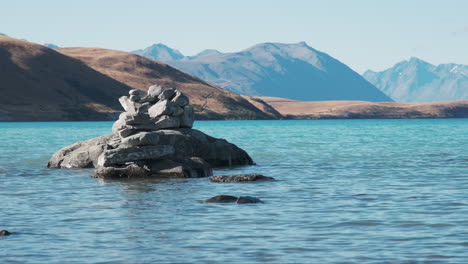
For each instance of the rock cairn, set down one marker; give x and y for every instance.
(158, 109)
(143, 153)
(152, 138)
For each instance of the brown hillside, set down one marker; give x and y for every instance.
(361, 109)
(38, 83)
(41, 84)
(211, 102)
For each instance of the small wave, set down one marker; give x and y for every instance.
(439, 257)
(359, 223)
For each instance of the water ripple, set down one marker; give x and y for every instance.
(347, 191)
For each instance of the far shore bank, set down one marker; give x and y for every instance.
(293, 109)
(296, 110)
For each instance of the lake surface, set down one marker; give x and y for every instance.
(347, 191)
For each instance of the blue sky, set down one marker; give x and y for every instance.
(363, 34)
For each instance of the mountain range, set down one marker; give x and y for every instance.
(415, 80)
(294, 71)
(44, 84)
(52, 46)
(160, 52)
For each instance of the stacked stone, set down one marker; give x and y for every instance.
(145, 146)
(160, 108)
(152, 138)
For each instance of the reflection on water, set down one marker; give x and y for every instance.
(347, 191)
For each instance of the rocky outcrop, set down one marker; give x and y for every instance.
(83, 154)
(295, 71)
(233, 199)
(4, 233)
(241, 178)
(152, 138)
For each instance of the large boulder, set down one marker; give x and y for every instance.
(162, 168)
(83, 154)
(184, 141)
(137, 153)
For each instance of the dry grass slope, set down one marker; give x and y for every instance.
(42, 84)
(361, 109)
(210, 101)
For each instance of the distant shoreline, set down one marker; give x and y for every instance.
(293, 109)
(317, 110)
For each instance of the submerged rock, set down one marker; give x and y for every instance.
(4, 233)
(125, 172)
(192, 167)
(222, 199)
(241, 178)
(248, 199)
(233, 199)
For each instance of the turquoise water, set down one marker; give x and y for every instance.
(348, 191)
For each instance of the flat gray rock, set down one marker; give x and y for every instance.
(166, 122)
(248, 199)
(131, 171)
(189, 168)
(241, 178)
(155, 90)
(222, 199)
(128, 105)
(163, 107)
(118, 125)
(136, 153)
(233, 199)
(141, 139)
(186, 142)
(134, 118)
(127, 131)
(83, 154)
